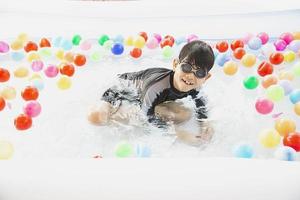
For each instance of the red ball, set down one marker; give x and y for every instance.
(4, 75)
(292, 140)
(236, 44)
(169, 37)
(136, 52)
(238, 53)
(79, 60)
(2, 103)
(23, 122)
(144, 35)
(30, 46)
(222, 46)
(30, 93)
(276, 58)
(67, 69)
(45, 43)
(264, 69)
(166, 42)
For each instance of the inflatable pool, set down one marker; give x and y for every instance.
(57, 59)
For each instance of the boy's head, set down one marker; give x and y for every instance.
(193, 65)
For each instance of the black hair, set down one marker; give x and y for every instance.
(198, 53)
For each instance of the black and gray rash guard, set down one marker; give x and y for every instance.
(152, 87)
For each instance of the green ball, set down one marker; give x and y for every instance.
(167, 52)
(251, 82)
(103, 39)
(45, 52)
(296, 69)
(96, 56)
(123, 150)
(108, 44)
(275, 93)
(76, 39)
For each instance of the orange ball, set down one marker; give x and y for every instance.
(297, 108)
(67, 69)
(236, 44)
(23, 122)
(30, 93)
(144, 35)
(222, 46)
(136, 52)
(239, 52)
(269, 80)
(285, 126)
(4, 75)
(30, 46)
(276, 58)
(45, 43)
(230, 68)
(2, 103)
(79, 60)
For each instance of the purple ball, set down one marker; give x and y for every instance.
(51, 71)
(192, 37)
(287, 86)
(294, 46)
(264, 37)
(287, 37)
(158, 37)
(280, 45)
(37, 65)
(4, 47)
(32, 108)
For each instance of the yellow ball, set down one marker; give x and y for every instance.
(8, 93)
(286, 75)
(60, 54)
(23, 37)
(69, 57)
(248, 60)
(6, 150)
(16, 45)
(139, 42)
(296, 35)
(35, 76)
(21, 72)
(297, 108)
(45, 52)
(33, 56)
(230, 68)
(129, 41)
(285, 126)
(269, 138)
(289, 56)
(64, 83)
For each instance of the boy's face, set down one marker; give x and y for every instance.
(185, 82)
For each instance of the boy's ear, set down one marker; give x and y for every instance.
(208, 76)
(175, 63)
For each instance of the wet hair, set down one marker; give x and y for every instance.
(198, 53)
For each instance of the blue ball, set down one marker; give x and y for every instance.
(180, 40)
(57, 42)
(118, 39)
(66, 45)
(117, 49)
(295, 96)
(243, 150)
(255, 43)
(285, 153)
(222, 58)
(143, 151)
(17, 56)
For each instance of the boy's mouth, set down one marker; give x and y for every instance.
(187, 82)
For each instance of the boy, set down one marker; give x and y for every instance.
(156, 89)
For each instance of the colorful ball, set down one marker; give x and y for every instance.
(129, 41)
(32, 109)
(86, 45)
(139, 42)
(152, 43)
(222, 58)
(265, 68)
(269, 80)
(66, 44)
(103, 39)
(269, 138)
(236, 44)
(238, 53)
(243, 150)
(44, 42)
(255, 43)
(286, 75)
(222, 46)
(143, 151)
(296, 69)
(30, 46)
(264, 106)
(16, 45)
(37, 83)
(264, 37)
(30, 93)
(297, 108)
(144, 35)
(289, 56)
(6, 150)
(294, 46)
(167, 52)
(51, 71)
(230, 68)
(136, 52)
(275, 93)
(123, 149)
(251, 82)
(37, 65)
(79, 60)
(21, 72)
(23, 122)
(64, 83)
(67, 69)
(117, 49)
(2, 103)
(285, 153)
(295, 96)
(287, 86)
(69, 57)
(4, 47)
(33, 56)
(8, 93)
(280, 45)
(76, 40)
(158, 37)
(192, 37)
(285, 126)
(4, 75)
(292, 140)
(248, 60)
(17, 56)
(287, 37)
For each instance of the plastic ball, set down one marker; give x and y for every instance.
(32, 109)
(264, 69)
(129, 41)
(76, 40)
(86, 45)
(139, 42)
(222, 46)
(269, 138)
(44, 43)
(45, 52)
(292, 140)
(280, 45)
(103, 39)
(296, 35)
(295, 96)
(136, 52)
(269, 80)
(69, 57)
(296, 69)
(57, 42)
(144, 35)
(268, 49)
(23, 37)
(289, 56)
(60, 54)
(255, 43)
(30, 46)
(276, 58)
(33, 56)
(64, 83)
(143, 151)
(4, 75)
(37, 83)
(264, 106)
(238, 53)
(66, 44)
(297, 108)
(6, 150)
(4, 47)
(287, 37)
(117, 49)
(230, 68)
(192, 37)
(118, 39)
(21, 72)
(247, 37)
(17, 56)
(222, 58)
(166, 42)
(79, 60)
(51, 71)
(251, 82)
(108, 44)
(264, 37)
(8, 93)
(294, 46)
(37, 65)
(236, 44)
(179, 40)
(35, 76)
(123, 149)
(287, 86)
(96, 56)
(158, 37)
(67, 69)
(167, 52)
(2, 103)
(23, 122)
(248, 60)
(286, 75)
(275, 93)
(243, 150)
(285, 126)
(171, 38)
(285, 153)
(16, 45)
(152, 43)
(30, 93)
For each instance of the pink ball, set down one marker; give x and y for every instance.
(264, 106)
(158, 37)
(264, 37)
(287, 37)
(152, 43)
(86, 45)
(192, 37)
(280, 45)
(4, 47)
(51, 71)
(32, 109)
(247, 37)
(37, 65)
